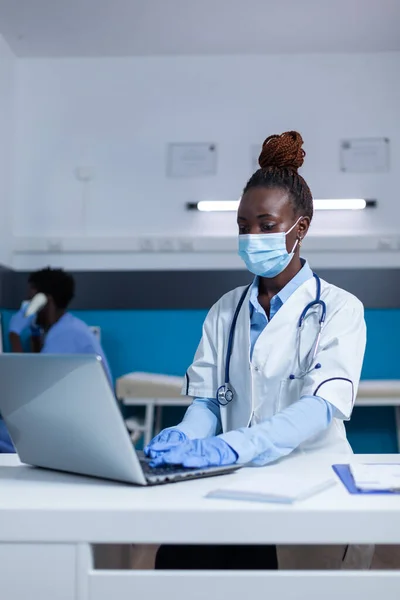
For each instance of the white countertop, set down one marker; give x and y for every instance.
(39, 505)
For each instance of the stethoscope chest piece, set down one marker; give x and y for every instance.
(224, 395)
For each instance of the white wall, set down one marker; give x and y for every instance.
(7, 100)
(117, 115)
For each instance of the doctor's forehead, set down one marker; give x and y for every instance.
(272, 202)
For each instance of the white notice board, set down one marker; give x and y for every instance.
(365, 155)
(191, 160)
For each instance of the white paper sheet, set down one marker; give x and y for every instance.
(273, 488)
(376, 476)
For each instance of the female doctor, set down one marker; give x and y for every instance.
(294, 358)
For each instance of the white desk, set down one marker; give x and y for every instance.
(48, 521)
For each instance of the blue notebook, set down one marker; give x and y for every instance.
(345, 476)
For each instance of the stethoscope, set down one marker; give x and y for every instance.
(225, 393)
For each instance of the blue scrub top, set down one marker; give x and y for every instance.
(6, 445)
(71, 335)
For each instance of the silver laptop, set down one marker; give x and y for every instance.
(62, 414)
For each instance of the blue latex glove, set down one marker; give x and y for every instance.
(164, 441)
(19, 322)
(210, 452)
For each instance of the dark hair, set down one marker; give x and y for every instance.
(281, 157)
(55, 283)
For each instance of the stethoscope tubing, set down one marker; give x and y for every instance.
(225, 389)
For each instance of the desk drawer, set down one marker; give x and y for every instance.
(37, 571)
(219, 585)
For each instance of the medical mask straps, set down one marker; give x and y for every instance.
(265, 254)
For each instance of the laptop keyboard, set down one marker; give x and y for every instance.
(164, 470)
(172, 473)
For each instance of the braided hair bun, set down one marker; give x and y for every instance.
(281, 157)
(282, 151)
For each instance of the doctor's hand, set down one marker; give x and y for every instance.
(164, 441)
(209, 452)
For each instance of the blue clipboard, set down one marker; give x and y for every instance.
(345, 476)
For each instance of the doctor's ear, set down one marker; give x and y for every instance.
(302, 228)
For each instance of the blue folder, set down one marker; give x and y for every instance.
(345, 476)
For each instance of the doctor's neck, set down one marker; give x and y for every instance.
(272, 286)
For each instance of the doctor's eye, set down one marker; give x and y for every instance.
(243, 230)
(267, 226)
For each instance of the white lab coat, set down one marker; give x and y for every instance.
(263, 387)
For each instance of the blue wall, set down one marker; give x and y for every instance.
(164, 341)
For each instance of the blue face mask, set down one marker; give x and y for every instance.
(265, 254)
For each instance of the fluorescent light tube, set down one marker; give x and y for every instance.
(326, 204)
(217, 205)
(340, 204)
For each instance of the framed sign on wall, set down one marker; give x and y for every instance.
(191, 160)
(364, 155)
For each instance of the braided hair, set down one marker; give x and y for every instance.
(281, 157)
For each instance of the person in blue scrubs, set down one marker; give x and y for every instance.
(53, 330)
